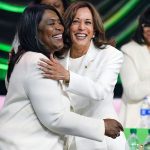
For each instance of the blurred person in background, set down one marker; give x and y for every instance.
(90, 74)
(135, 72)
(60, 5)
(36, 114)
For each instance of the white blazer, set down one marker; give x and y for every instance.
(36, 114)
(91, 92)
(135, 75)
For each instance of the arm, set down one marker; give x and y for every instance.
(98, 88)
(104, 83)
(48, 102)
(134, 88)
(95, 89)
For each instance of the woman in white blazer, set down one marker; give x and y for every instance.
(92, 68)
(36, 114)
(135, 73)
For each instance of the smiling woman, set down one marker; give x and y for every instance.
(50, 38)
(89, 73)
(37, 109)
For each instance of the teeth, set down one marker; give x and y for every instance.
(81, 35)
(58, 36)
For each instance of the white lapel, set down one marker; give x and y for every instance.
(89, 58)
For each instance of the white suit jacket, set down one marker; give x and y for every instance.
(135, 75)
(36, 114)
(91, 91)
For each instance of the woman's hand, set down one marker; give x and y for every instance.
(112, 128)
(52, 69)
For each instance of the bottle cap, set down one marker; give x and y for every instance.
(133, 130)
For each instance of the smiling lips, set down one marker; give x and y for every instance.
(80, 36)
(58, 37)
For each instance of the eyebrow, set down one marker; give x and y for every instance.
(52, 19)
(84, 19)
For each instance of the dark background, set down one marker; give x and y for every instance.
(119, 17)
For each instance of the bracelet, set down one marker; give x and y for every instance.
(66, 82)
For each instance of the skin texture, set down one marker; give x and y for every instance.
(81, 33)
(146, 34)
(58, 4)
(51, 30)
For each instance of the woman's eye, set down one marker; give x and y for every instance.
(50, 23)
(88, 22)
(75, 21)
(56, 5)
(59, 22)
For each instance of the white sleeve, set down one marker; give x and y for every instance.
(47, 101)
(134, 88)
(97, 89)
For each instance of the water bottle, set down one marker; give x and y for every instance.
(133, 140)
(147, 141)
(145, 113)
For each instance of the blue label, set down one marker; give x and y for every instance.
(144, 112)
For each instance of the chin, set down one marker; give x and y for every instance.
(59, 47)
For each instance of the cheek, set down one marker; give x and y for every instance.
(147, 36)
(91, 31)
(48, 30)
(72, 32)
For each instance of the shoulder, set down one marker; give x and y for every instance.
(130, 48)
(111, 51)
(32, 57)
(29, 60)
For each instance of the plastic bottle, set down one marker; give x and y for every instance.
(147, 141)
(133, 140)
(145, 113)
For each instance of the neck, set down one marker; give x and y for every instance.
(75, 53)
(148, 45)
(78, 51)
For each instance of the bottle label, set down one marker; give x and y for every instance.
(145, 112)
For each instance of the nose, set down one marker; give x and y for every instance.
(59, 26)
(81, 25)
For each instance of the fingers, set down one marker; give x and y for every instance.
(46, 65)
(112, 128)
(116, 135)
(46, 71)
(53, 59)
(51, 76)
(46, 61)
(46, 68)
(52, 69)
